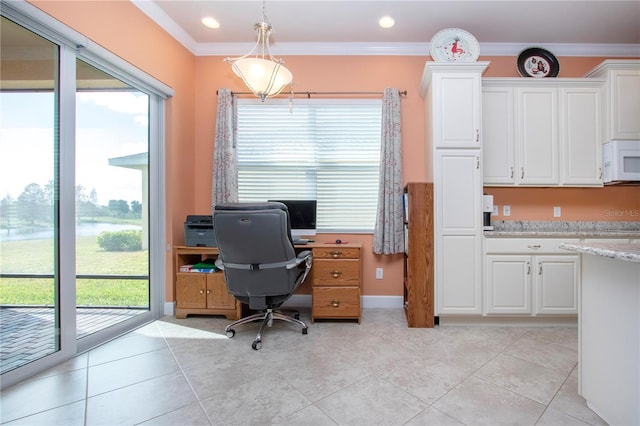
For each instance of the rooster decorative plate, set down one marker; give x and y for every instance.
(454, 45)
(538, 62)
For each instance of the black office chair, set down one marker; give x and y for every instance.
(260, 265)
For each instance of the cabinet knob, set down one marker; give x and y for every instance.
(208, 291)
(335, 253)
(335, 303)
(336, 274)
(201, 291)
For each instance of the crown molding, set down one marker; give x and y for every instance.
(415, 49)
(160, 17)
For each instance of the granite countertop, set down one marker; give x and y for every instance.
(564, 229)
(627, 252)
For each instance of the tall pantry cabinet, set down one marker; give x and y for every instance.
(453, 97)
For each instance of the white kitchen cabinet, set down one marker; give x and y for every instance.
(498, 141)
(452, 94)
(529, 277)
(537, 135)
(508, 284)
(622, 97)
(580, 135)
(542, 133)
(458, 224)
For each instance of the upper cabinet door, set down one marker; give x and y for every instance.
(456, 110)
(537, 108)
(581, 135)
(498, 136)
(624, 105)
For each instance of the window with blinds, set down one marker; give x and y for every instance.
(323, 149)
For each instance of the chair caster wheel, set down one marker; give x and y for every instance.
(297, 316)
(256, 345)
(230, 333)
(305, 330)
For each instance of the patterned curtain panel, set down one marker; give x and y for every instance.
(388, 235)
(225, 157)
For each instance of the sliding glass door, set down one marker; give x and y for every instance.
(81, 222)
(112, 202)
(30, 323)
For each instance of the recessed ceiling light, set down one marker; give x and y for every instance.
(386, 22)
(210, 22)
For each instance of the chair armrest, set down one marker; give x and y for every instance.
(219, 263)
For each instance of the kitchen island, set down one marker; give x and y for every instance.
(609, 330)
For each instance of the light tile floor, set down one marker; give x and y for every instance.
(379, 372)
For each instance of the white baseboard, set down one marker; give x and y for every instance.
(169, 308)
(505, 321)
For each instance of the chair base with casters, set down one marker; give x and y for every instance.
(267, 318)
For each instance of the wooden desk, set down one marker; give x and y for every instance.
(336, 283)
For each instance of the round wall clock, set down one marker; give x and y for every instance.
(538, 62)
(454, 45)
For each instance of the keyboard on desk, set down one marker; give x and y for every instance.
(299, 241)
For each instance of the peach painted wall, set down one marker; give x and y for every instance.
(190, 120)
(123, 29)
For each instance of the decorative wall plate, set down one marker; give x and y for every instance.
(454, 45)
(538, 62)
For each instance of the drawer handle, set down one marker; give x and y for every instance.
(521, 172)
(528, 268)
(336, 274)
(335, 253)
(335, 303)
(540, 269)
(536, 246)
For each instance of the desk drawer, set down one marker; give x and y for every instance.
(336, 302)
(336, 253)
(336, 272)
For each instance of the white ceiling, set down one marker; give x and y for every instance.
(574, 27)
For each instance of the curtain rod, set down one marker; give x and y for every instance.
(308, 94)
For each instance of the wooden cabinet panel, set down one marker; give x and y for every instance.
(190, 291)
(218, 297)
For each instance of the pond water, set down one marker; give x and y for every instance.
(83, 229)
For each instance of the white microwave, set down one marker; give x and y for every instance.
(621, 161)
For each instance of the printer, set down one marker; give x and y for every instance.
(198, 231)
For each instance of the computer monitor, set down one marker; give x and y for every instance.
(302, 215)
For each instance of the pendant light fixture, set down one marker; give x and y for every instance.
(263, 74)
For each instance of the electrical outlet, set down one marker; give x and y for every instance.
(557, 212)
(379, 273)
(506, 210)
(495, 210)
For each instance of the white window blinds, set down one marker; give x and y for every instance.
(323, 149)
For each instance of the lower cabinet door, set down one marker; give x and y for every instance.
(557, 284)
(190, 291)
(336, 302)
(218, 297)
(508, 284)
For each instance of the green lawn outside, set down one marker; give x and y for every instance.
(36, 257)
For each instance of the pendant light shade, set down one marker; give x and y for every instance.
(263, 74)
